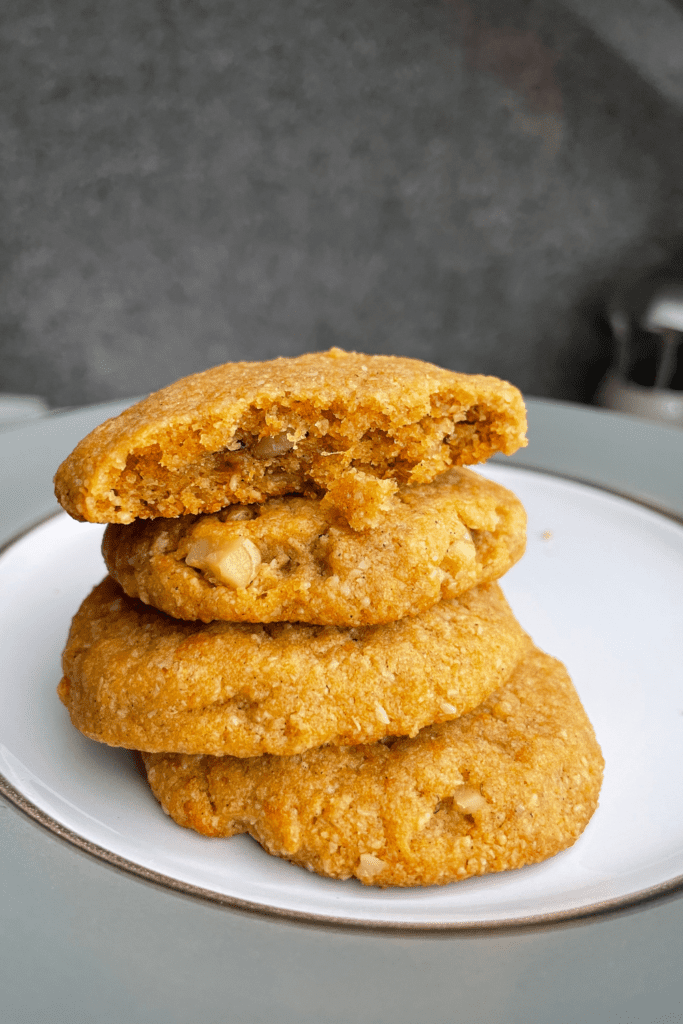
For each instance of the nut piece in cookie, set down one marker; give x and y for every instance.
(352, 425)
(230, 561)
(511, 783)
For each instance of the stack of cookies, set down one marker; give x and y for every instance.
(302, 630)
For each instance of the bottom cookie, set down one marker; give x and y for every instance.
(511, 783)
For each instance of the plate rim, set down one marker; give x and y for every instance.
(601, 908)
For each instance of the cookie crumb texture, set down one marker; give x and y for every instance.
(306, 564)
(134, 677)
(511, 783)
(352, 425)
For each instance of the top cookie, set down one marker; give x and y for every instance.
(354, 426)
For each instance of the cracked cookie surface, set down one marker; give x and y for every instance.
(134, 677)
(306, 564)
(511, 783)
(351, 425)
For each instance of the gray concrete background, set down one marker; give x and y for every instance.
(185, 183)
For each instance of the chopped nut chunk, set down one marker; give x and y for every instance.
(272, 447)
(233, 561)
(370, 866)
(381, 714)
(468, 799)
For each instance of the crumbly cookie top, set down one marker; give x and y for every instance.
(294, 559)
(134, 677)
(340, 422)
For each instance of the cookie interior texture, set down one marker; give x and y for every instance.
(434, 542)
(351, 425)
(511, 783)
(134, 677)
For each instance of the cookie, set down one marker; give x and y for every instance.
(349, 425)
(134, 677)
(511, 783)
(294, 559)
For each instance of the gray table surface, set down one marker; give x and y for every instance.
(83, 942)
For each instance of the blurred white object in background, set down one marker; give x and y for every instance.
(647, 327)
(645, 379)
(647, 34)
(664, 316)
(663, 406)
(17, 408)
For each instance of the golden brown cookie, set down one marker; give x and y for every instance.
(294, 559)
(133, 677)
(511, 783)
(348, 424)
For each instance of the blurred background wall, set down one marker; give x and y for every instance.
(186, 182)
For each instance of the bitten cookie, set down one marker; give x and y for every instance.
(511, 783)
(351, 425)
(294, 559)
(133, 677)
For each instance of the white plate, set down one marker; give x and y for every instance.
(601, 587)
